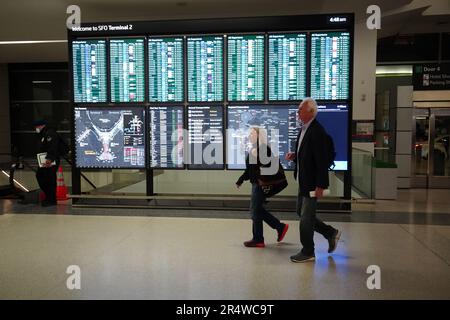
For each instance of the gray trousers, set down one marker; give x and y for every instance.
(306, 209)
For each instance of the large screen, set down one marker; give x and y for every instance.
(282, 127)
(205, 68)
(279, 122)
(110, 137)
(166, 136)
(334, 118)
(205, 137)
(245, 67)
(330, 65)
(287, 67)
(127, 69)
(166, 69)
(89, 71)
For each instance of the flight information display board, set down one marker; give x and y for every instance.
(89, 71)
(287, 66)
(205, 137)
(127, 67)
(110, 137)
(245, 67)
(205, 68)
(330, 65)
(280, 124)
(166, 69)
(166, 137)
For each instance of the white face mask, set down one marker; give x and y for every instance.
(38, 130)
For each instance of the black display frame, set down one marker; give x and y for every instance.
(217, 26)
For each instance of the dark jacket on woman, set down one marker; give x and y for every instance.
(253, 170)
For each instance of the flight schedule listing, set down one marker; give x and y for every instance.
(205, 68)
(205, 137)
(166, 74)
(287, 67)
(166, 137)
(89, 70)
(245, 68)
(127, 70)
(330, 65)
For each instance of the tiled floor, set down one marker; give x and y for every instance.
(203, 258)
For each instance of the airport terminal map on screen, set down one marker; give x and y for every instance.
(89, 71)
(205, 137)
(282, 128)
(330, 65)
(127, 66)
(110, 137)
(205, 68)
(166, 136)
(287, 66)
(246, 67)
(166, 71)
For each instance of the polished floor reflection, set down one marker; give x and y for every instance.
(203, 258)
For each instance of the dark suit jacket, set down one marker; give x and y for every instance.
(312, 167)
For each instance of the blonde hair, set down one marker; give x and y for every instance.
(261, 134)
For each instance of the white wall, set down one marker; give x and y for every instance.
(364, 76)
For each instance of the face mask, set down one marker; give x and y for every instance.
(38, 130)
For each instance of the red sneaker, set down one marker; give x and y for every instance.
(254, 244)
(282, 233)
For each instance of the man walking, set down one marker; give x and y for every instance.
(311, 172)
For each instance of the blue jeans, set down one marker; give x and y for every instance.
(260, 214)
(306, 209)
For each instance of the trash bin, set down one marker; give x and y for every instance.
(384, 180)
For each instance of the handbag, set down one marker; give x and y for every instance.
(272, 185)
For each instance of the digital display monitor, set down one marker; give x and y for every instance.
(89, 71)
(330, 65)
(166, 137)
(205, 68)
(110, 137)
(166, 69)
(333, 117)
(280, 124)
(287, 66)
(205, 137)
(127, 67)
(245, 67)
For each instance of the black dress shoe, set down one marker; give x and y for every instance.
(333, 241)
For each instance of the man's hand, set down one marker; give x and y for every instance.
(238, 185)
(290, 156)
(319, 192)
